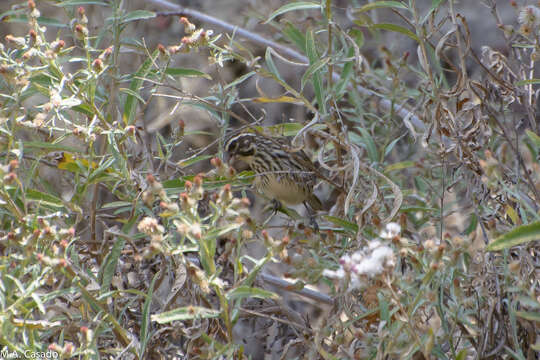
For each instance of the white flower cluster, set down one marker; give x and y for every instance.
(368, 262)
(529, 15)
(529, 19)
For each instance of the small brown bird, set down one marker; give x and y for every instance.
(281, 175)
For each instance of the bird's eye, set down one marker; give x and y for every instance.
(232, 147)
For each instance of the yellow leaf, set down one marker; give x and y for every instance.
(281, 99)
(513, 215)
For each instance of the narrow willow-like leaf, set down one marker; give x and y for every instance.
(295, 35)
(313, 56)
(109, 268)
(346, 225)
(81, 2)
(300, 5)
(517, 236)
(381, 4)
(243, 292)
(145, 322)
(185, 313)
(183, 72)
(138, 15)
(130, 107)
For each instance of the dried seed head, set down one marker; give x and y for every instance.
(198, 179)
(56, 46)
(33, 35)
(226, 193)
(106, 53)
(13, 165)
(97, 64)
(181, 127)
(189, 28)
(150, 226)
(16, 41)
(162, 50)
(10, 178)
(216, 162)
(81, 32)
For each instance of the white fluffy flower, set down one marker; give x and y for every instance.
(369, 262)
(392, 230)
(529, 15)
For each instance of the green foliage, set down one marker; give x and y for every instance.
(117, 239)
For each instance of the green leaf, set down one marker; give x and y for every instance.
(84, 109)
(412, 209)
(462, 355)
(295, 35)
(527, 82)
(240, 80)
(130, 107)
(8, 15)
(534, 138)
(109, 268)
(300, 5)
(81, 2)
(116, 204)
(218, 232)
(50, 146)
(243, 292)
(256, 269)
(346, 74)
(384, 308)
(390, 146)
(313, 56)
(38, 302)
(472, 225)
(43, 21)
(186, 73)
(369, 144)
(185, 313)
(285, 129)
(381, 4)
(347, 225)
(196, 159)
(392, 27)
(313, 69)
(46, 199)
(271, 66)
(96, 174)
(399, 166)
(145, 322)
(138, 15)
(436, 3)
(528, 315)
(207, 250)
(517, 236)
(132, 93)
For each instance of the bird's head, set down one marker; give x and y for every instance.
(242, 147)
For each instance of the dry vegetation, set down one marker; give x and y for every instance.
(125, 235)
